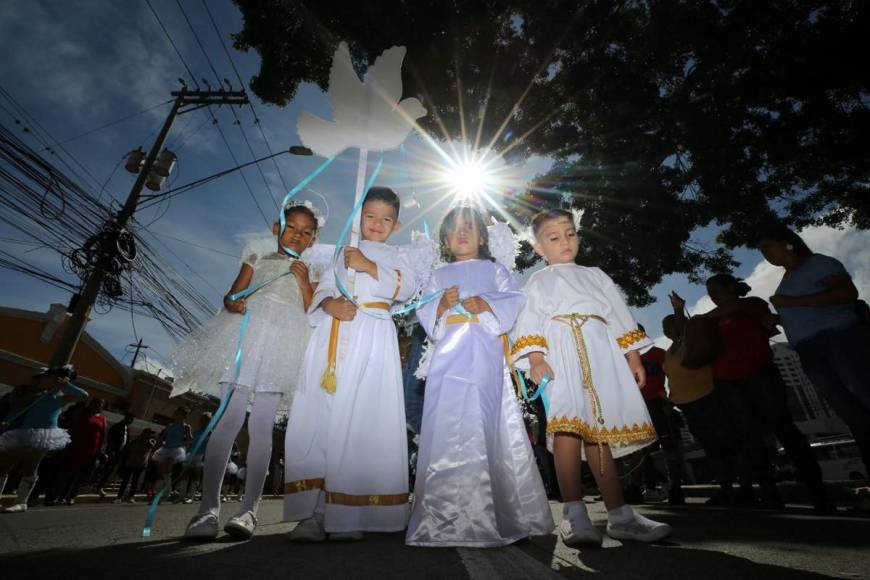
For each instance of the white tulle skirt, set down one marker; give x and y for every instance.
(48, 439)
(173, 454)
(272, 351)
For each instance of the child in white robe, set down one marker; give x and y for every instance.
(346, 458)
(477, 481)
(576, 330)
(272, 349)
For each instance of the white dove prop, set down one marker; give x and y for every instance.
(367, 114)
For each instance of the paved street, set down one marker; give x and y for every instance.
(102, 541)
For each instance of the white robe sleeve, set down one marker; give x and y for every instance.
(395, 279)
(528, 335)
(506, 303)
(325, 289)
(628, 336)
(427, 314)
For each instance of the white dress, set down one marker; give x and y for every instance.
(477, 480)
(593, 394)
(273, 345)
(346, 452)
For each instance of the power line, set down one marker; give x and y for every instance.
(112, 123)
(242, 84)
(172, 42)
(237, 120)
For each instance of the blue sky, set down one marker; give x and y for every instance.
(78, 69)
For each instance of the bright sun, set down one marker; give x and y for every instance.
(469, 179)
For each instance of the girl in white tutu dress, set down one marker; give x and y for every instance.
(274, 342)
(576, 329)
(477, 481)
(29, 431)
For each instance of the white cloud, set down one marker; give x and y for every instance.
(850, 246)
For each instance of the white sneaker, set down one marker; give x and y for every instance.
(117, 500)
(640, 529)
(14, 508)
(241, 526)
(131, 499)
(202, 527)
(355, 536)
(310, 530)
(576, 529)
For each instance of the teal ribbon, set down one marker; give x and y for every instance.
(282, 220)
(540, 392)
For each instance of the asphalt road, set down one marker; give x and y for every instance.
(104, 541)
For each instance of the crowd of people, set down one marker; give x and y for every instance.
(599, 393)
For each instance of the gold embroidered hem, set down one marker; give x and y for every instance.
(303, 485)
(594, 434)
(337, 498)
(527, 341)
(631, 337)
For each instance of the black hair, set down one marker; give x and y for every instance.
(546, 215)
(449, 223)
(386, 195)
(184, 410)
(740, 287)
(288, 211)
(779, 232)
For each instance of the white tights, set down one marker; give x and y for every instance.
(217, 454)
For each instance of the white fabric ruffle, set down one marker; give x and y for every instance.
(48, 439)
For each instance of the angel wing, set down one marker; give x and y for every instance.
(346, 90)
(502, 244)
(385, 75)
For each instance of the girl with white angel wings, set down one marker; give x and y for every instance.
(477, 481)
(272, 349)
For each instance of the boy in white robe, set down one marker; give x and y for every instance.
(346, 449)
(576, 330)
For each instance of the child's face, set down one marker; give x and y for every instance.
(379, 221)
(464, 240)
(299, 232)
(557, 241)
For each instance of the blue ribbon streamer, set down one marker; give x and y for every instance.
(540, 392)
(296, 189)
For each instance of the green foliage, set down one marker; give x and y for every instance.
(665, 116)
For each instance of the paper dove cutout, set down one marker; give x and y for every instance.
(366, 114)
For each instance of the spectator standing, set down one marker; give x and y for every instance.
(820, 312)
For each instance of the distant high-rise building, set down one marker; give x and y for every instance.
(811, 413)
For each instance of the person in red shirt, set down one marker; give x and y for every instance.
(753, 392)
(88, 432)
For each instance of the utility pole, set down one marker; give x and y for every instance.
(138, 346)
(185, 102)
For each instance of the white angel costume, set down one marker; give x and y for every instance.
(346, 447)
(477, 481)
(577, 318)
(274, 341)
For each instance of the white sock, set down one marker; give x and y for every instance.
(621, 515)
(24, 488)
(576, 513)
(217, 454)
(261, 423)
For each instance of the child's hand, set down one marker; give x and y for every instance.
(355, 259)
(238, 306)
(539, 368)
(300, 272)
(476, 305)
(677, 302)
(636, 366)
(339, 308)
(449, 299)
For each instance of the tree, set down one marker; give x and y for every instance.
(663, 115)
